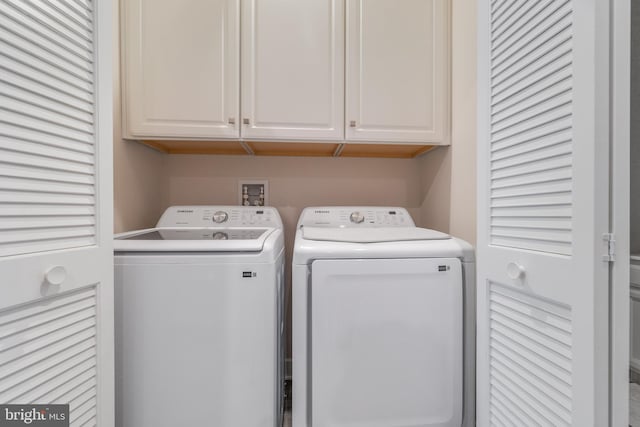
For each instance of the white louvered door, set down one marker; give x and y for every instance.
(543, 209)
(56, 260)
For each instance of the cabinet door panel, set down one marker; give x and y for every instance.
(181, 68)
(397, 70)
(293, 69)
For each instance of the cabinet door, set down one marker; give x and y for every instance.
(397, 70)
(181, 67)
(293, 69)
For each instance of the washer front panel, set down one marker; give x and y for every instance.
(198, 344)
(386, 342)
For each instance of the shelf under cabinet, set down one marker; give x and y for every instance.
(304, 149)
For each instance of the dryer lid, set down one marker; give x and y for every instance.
(371, 235)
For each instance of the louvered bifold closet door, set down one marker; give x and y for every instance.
(543, 209)
(49, 355)
(47, 155)
(531, 123)
(56, 268)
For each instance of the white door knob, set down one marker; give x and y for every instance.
(515, 271)
(56, 275)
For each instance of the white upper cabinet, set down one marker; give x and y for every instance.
(287, 70)
(293, 69)
(397, 72)
(181, 68)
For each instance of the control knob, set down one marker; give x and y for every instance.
(356, 217)
(220, 216)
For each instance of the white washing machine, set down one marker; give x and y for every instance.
(199, 303)
(383, 322)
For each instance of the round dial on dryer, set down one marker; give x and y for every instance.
(220, 216)
(356, 217)
(220, 236)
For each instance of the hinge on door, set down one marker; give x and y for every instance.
(610, 250)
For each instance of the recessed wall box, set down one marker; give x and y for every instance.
(253, 192)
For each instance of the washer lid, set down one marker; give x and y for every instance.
(193, 240)
(371, 235)
(197, 234)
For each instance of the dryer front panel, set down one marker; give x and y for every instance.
(386, 342)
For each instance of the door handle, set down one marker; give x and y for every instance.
(515, 271)
(56, 275)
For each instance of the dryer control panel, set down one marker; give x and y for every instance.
(220, 216)
(355, 216)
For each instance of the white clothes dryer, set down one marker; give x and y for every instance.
(199, 324)
(383, 322)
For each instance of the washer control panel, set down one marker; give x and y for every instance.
(355, 216)
(220, 216)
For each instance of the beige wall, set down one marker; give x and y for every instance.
(435, 189)
(463, 126)
(295, 182)
(448, 175)
(138, 175)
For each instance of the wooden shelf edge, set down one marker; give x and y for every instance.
(289, 149)
(392, 151)
(198, 147)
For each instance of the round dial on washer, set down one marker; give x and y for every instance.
(220, 236)
(356, 217)
(220, 216)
